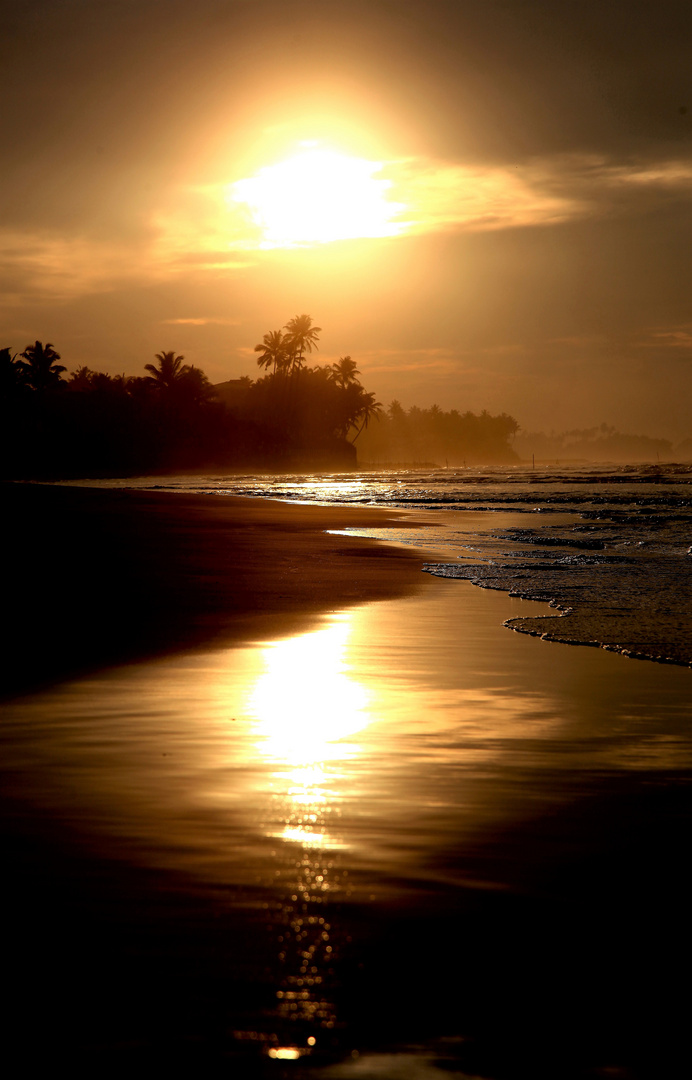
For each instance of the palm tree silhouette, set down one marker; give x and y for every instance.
(81, 379)
(11, 374)
(368, 408)
(169, 372)
(194, 385)
(273, 351)
(40, 370)
(301, 338)
(344, 372)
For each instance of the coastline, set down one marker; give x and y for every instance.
(96, 578)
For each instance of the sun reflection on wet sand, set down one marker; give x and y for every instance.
(306, 709)
(305, 703)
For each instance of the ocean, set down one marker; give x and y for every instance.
(608, 546)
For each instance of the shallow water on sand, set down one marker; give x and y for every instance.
(609, 544)
(407, 841)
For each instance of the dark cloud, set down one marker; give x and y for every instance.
(524, 76)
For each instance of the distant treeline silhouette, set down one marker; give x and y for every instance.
(602, 443)
(292, 418)
(436, 437)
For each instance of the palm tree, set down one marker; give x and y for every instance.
(194, 385)
(396, 411)
(344, 372)
(273, 351)
(40, 370)
(368, 408)
(301, 338)
(11, 374)
(81, 380)
(169, 372)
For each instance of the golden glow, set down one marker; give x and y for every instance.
(305, 703)
(316, 197)
(306, 708)
(285, 1053)
(320, 195)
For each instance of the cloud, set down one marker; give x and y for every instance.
(197, 231)
(59, 265)
(440, 360)
(675, 339)
(201, 322)
(210, 227)
(545, 191)
(52, 266)
(424, 196)
(439, 196)
(580, 341)
(678, 337)
(600, 186)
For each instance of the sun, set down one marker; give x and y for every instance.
(316, 197)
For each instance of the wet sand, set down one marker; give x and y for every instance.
(478, 839)
(94, 578)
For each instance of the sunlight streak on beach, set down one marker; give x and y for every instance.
(305, 703)
(306, 709)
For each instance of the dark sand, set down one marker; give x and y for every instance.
(94, 578)
(515, 819)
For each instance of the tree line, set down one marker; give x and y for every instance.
(91, 423)
(295, 416)
(435, 437)
(95, 424)
(603, 443)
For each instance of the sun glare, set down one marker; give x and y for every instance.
(305, 703)
(316, 197)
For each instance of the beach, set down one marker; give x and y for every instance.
(264, 785)
(97, 577)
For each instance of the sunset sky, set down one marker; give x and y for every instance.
(487, 203)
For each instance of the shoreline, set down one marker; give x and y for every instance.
(96, 578)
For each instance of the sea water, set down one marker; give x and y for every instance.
(608, 546)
